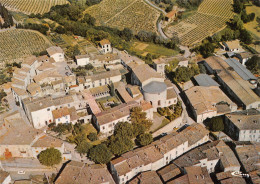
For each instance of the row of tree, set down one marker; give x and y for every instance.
(6, 16)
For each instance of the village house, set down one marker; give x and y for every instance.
(99, 79)
(208, 102)
(170, 16)
(153, 87)
(209, 156)
(232, 46)
(105, 46)
(106, 121)
(17, 139)
(39, 111)
(81, 173)
(161, 63)
(56, 53)
(228, 178)
(82, 60)
(61, 115)
(243, 125)
(248, 155)
(240, 89)
(109, 60)
(157, 154)
(146, 177)
(194, 175)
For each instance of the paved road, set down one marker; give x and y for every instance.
(160, 31)
(187, 52)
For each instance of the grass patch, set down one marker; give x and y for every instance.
(251, 26)
(144, 48)
(164, 123)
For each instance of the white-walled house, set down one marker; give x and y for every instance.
(157, 154)
(39, 111)
(61, 115)
(99, 79)
(243, 125)
(105, 46)
(56, 53)
(106, 121)
(19, 140)
(208, 102)
(82, 60)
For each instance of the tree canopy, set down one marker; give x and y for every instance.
(144, 139)
(100, 154)
(50, 157)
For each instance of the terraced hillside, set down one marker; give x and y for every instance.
(31, 6)
(17, 43)
(133, 14)
(210, 18)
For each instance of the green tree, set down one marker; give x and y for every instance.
(119, 145)
(123, 129)
(83, 147)
(253, 64)
(50, 157)
(216, 124)
(139, 117)
(206, 49)
(144, 139)
(100, 154)
(92, 136)
(245, 36)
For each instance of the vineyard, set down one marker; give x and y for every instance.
(133, 14)
(210, 18)
(31, 6)
(17, 43)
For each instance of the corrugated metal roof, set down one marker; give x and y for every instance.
(242, 71)
(205, 80)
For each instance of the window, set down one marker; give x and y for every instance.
(104, 128)
(68, 105)
(48, 109)
(59, 119)
(159, 102)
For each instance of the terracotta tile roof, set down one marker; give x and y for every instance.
(146, 105)
(33, 88)
(59, 113)
(80, 173)
(204, 99)
(30, 60)
(48, 141)
(91, 101)
(171, 94)
(145, 72)
(104, 41)
(115, 113)
(14, 131)
(54, 50)
(46, 66)
(171, 14)
(148, 177)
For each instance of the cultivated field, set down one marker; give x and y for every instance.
(31, 6)
(133, 14)
(210, 18)
(17, 43)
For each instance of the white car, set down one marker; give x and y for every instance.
(21, 172)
